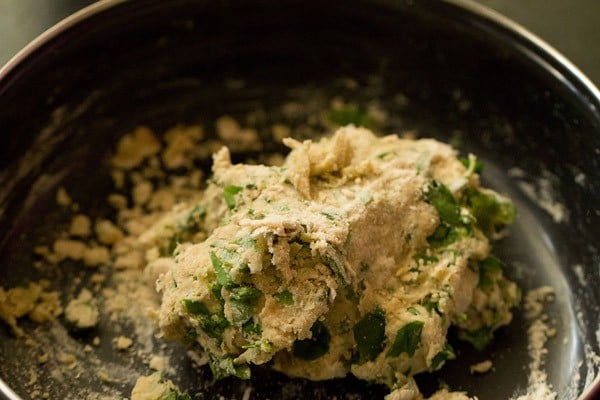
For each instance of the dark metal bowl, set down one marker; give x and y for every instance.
(67, 97)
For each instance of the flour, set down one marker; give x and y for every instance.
(543, 192)
(538, 333)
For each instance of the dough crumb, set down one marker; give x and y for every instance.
(81, 226)
(123, 343)
(82, 312)
(63, 198)
(481, 368)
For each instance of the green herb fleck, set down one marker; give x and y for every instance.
(194, 219)
(413, 311)
(408, 339)
(229, 193)
(212, 324)
(489, 267)
(222, 276)
(222, 368)
(195, 307)
(477, 168)
(316, 346)
(447, 353)
(251, 328)
(431, 305)
(453, 225)
(440, 197)
(369, 335)
(328, 215)
(479, 338)
(243, 301)
(491, 212)
(176, 396)
(285, 297)
(386, 156)
(349, 115)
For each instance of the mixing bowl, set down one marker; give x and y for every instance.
(451, 70)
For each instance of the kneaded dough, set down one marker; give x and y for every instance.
(354, 256)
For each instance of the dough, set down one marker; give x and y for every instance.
(354, 256)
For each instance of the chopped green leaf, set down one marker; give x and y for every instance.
(229, 193)
(316, 346)
(441, 198)
(171, 246)
(222, 276)
(334, 261)
(195, 307)
(212, 324)
(222, 368)
(244, 301)
(477, 168)
(349, 115)
(246, 242)
(386, 155)
(431, 305)
(413, 311)
(176, 396)
(251, 328)
(216, 291)
(328, 215)
(193, 220)
(408, 339)
(453, 225)
(285, 297)
(488, 268)
(369, 335)
(447, 353)
(479, 338)
(491, 213)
